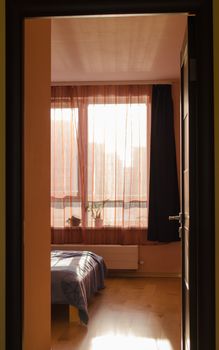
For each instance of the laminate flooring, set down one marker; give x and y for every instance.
(129, 314)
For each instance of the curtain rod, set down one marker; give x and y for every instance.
(128, 82)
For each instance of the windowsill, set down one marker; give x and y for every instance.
(99, 228)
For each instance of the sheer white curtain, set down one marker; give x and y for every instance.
(100, 140)
(64, 165)
(117, 162)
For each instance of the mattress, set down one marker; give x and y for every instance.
(75, 277)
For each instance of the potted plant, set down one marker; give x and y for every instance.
(96, 209)
(73, 221)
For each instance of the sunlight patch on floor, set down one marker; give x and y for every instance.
(129, 342)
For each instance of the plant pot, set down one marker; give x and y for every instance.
(98, 222)
(74, 221)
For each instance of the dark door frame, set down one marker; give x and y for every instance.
(202, 138)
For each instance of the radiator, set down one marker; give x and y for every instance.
(116, 257)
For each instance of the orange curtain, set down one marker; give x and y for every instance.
(100, 146)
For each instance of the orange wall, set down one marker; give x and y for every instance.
(37, 186)
(160, 259)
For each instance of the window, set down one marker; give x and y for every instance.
(99, 158)
(117, 162)
(65, 189)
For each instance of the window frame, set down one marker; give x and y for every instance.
(83, 113)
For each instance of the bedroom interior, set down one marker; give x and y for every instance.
(101, 40)
(124, 255)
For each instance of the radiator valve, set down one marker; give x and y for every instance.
(141, 262)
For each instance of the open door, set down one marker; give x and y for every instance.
(188, 195)
(188, 190)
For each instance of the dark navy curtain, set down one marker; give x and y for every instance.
(163, 193)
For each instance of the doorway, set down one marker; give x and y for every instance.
(205, 180)
(78, 40)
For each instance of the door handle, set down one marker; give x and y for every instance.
(175, 217)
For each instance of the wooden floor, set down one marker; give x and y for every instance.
(129, 314)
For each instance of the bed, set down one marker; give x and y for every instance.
(75, 277)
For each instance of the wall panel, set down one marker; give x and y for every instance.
(36, 335)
